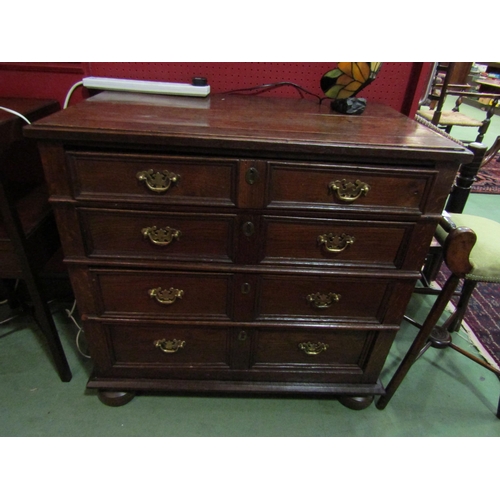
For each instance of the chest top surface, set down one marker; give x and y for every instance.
(243, 124)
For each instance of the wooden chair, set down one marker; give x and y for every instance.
(454, 245)
(459, 194)
(471, 248)
(440, 88)
(28, 233)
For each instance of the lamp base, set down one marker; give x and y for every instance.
(349, 106)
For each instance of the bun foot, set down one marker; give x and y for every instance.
(112, 398)
(356, 402)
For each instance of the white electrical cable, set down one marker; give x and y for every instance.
(16, 113)
(80, 329)
(71, 312)
(8, 319)
(70, 93)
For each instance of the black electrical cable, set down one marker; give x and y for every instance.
(259, 89)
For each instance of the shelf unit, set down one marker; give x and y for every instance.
(491, 85)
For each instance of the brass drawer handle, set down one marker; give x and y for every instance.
(158, 182)
(323, 300)
(312, 349)
(166, 297)
(348, 191)
(170, 346)
(159, 236)
(336, 243)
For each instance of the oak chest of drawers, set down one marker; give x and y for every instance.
(242, 244)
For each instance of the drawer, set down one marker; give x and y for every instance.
(296, 350)
(289, 240)
(155, 351)
(164, 294)
(168, 346)
(348, 187)
(323, 298)
(153, 178)
(155, 235)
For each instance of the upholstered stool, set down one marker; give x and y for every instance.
(471, 247)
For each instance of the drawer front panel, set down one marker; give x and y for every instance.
(296, 349)
(330, 186)
(322, 297)
(156, 179)
(334, 242)
(136, 235)
(169, 346)
(165, 294)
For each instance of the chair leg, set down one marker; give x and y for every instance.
(46, 323)
(456, 319)
(420, 340)
(41, 309)
(432, 266)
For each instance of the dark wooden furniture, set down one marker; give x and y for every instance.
(28, 232)
(242, 244)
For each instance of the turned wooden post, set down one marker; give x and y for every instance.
(465, 178)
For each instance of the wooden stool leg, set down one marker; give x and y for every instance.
(420, 340)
